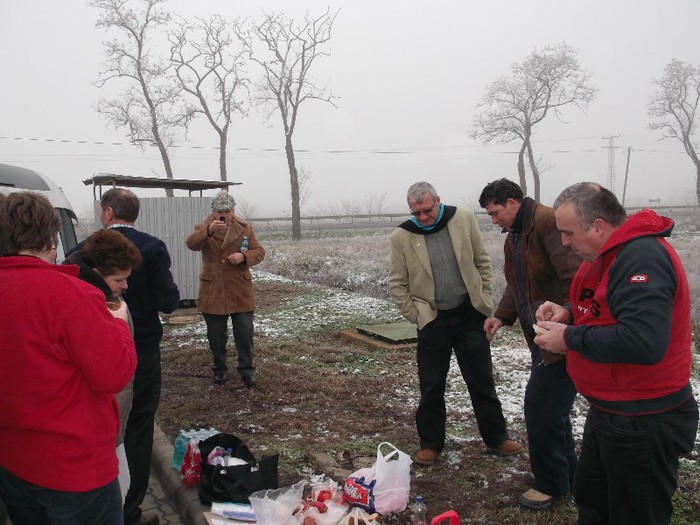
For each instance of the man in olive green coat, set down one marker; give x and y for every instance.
(229, 248)
(440, 279)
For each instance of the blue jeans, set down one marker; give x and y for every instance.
(460, 329)
(549, 397)
(29, 504)
(628, 467)
(217, 334)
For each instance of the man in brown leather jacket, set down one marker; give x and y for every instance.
(229, 248)
(537, 268)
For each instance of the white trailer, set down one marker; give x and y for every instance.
(14, 178)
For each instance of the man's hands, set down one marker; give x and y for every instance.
(549, 311)
(236, 258)
(216, 226)
(491, 326)
(554, 318)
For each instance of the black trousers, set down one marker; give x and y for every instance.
(138, 438)
(628, 467)
(461, 330)
(549, 396)
(217, 334)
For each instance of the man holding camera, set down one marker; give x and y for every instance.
(229, 248)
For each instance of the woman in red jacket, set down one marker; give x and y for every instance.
(64, 357)
(105, 261)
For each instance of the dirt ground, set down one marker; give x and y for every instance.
(322, 393)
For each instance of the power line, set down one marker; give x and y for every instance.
(425, 150)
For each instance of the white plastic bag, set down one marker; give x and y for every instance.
(276, 506)
(393, 474)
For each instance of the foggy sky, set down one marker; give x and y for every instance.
(407, 75)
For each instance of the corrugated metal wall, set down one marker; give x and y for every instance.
(172, 220)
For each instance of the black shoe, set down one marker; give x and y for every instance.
(249, 382)
(220, 378)
(147, 518)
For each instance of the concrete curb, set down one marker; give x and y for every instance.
(186, 500)
(328, 466)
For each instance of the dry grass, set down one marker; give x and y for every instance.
(359, 262)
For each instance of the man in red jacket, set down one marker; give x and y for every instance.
(626, 332)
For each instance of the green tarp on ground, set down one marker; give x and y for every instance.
(397, 333)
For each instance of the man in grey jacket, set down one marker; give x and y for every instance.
(440, 279)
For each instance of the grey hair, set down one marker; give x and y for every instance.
(416, 191)
(592, 201)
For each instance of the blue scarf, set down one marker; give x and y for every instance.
(429, 228)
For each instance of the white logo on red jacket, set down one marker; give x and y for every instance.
(639, 278)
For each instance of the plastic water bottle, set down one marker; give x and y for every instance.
(244, 243)
(420, 512)
(180, 448)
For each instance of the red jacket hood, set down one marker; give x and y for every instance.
(643, 223)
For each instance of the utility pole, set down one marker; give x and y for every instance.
(627, 170)
(611, 160)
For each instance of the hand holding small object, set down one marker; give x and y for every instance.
(539, 330)
(550, 311)
(218, 225)
(120, 311)
(550, 336)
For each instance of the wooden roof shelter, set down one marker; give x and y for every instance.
(192, 185)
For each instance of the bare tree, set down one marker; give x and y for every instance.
(351, 206)
(290, 51)
(149, 107)
(247, 208)
(674, 106)
(88, 222)
(304, 176)
(547, 80)
(209, 65)
(374, 203)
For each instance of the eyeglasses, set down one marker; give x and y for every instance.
(418, 213)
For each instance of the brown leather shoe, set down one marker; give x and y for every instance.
(534, 499)
(426, 456)
(507, 448)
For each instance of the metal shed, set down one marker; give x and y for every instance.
(171, 219)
